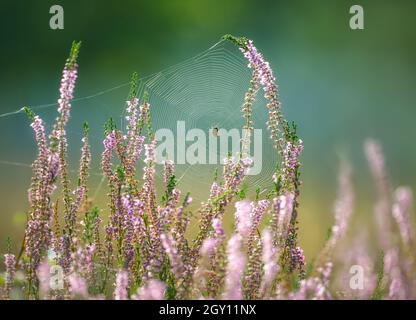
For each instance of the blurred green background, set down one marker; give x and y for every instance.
(341, 86)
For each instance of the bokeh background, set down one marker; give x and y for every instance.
(341, 86)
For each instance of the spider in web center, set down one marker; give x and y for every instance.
(215, 130)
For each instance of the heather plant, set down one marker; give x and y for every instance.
(142, 250)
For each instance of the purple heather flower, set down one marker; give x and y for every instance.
(297, 259)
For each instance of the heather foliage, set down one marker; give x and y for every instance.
(142, 251)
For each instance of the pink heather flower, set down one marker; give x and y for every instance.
(382, 208)
(170, 246)
(269, 257)
(235, 269)
(189, 200)
(168, 170)
(39, 129)
(344, 203)
(291, 155)
(44, 276)
(54, 170)
(315, 288)
(243, 217)
(234, 171)
(214, 192)
(153, 290)
(311, 288)
(65, 257)
(326, 272)
(257, 213)
(343, 210)
(9, 261)
(82, 260)
(217, 225)
(166, 213)
(149, 151)
(79, 194)
(139, 228)
(110, 143)
(37, 237)
(357, 255)
(78, 286)
(397, 289)
(84, 164)
(264, 76)
(69, 77)
(282, 213)
(402, 213)
(127, 224)
(134, 140)
(122, 284)
(208, 247)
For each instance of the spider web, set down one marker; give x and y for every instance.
(204, 91)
